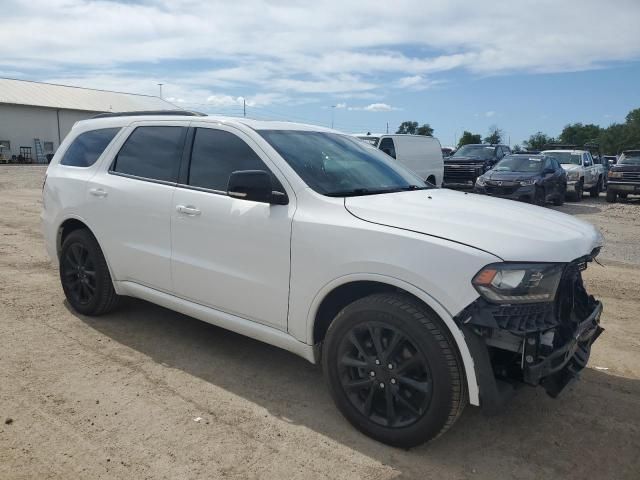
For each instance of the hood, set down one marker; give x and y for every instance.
(507, 229)
(625, 168)
(509, 176)
(570, 166)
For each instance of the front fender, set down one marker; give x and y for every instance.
(437, 307)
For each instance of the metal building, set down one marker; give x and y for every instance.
(35, 117)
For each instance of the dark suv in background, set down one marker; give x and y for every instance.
(469, 162)
(624, 176)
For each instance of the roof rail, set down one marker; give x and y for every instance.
(179, 113)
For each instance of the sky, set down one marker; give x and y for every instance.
(523, 66)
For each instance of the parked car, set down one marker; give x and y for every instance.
(624, 176)
(582, 173)
(420, 153)
(415, 299)
(530, 178)
(447, 151)
(611, 159)
(469, 162)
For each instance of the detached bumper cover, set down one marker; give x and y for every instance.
(556, 370)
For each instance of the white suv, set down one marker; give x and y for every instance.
(417, 300)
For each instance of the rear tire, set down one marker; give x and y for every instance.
(579, 191)
(611, 196)
(393, 370)
(595, 191)
(84, 275)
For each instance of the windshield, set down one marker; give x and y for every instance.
(630, 158)
(340, 166)
(568, 157)
(482, 152)
(520, 164)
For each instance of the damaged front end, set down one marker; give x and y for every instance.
(533, 324)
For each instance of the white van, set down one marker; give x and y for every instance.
(419, 153)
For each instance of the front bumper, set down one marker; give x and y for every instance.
(522, 193)
(545, 344)
(623, 187)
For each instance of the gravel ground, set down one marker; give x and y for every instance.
(148, 393)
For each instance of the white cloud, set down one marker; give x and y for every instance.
(346, 50)
(489, 114)
(340, 105)
(376, 107)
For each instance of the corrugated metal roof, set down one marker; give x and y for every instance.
(21, 92)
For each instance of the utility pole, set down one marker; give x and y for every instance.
(244, 107)
(160, 85)
(387, 127)
(333, 109)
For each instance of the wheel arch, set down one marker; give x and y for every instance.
(74, 223)
(337, 294)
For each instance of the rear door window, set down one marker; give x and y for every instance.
(152, 152)
(216, 154)
(87, 147)
(388, 147)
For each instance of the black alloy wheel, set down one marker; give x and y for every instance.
(384, 374)
(84, 274)
(78, 272)
(393, 369)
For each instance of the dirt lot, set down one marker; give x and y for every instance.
(118, 397)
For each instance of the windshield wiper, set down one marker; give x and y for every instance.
(365, 191)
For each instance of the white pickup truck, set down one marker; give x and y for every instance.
(584, 172)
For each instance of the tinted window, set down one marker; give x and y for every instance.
(481, 152)
(387, 146)
(216, 155)
(87, 147)
(152, 152)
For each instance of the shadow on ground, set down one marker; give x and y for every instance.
(591, 431)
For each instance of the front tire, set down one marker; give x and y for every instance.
(611, 196)
(559, 200)
(540, 197)
(579, 190)
(85, 276)
(393, 370)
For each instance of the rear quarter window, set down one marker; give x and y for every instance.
(87, 147)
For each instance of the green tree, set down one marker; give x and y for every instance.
(537, 141)
(469, 138)
(579, 134)
(408, 127)
(516, 148)
(495, 135)
(425, 129)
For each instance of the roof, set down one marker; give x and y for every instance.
(238, 121)
(559, 150)
(23, 92)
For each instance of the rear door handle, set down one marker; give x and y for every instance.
(97, 192)
(188, 210)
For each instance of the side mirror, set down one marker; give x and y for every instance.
(254, 185)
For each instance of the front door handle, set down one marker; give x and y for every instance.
(188, 210)
(97, 192)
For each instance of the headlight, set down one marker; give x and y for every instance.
(480, 182)
(518, 282)
(615, 174)
(524, 183)
(573, 175)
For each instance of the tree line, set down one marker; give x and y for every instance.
(612, 139)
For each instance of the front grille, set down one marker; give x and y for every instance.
(462, 172)
(525, 318)
(635, 176)
(495, 190)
